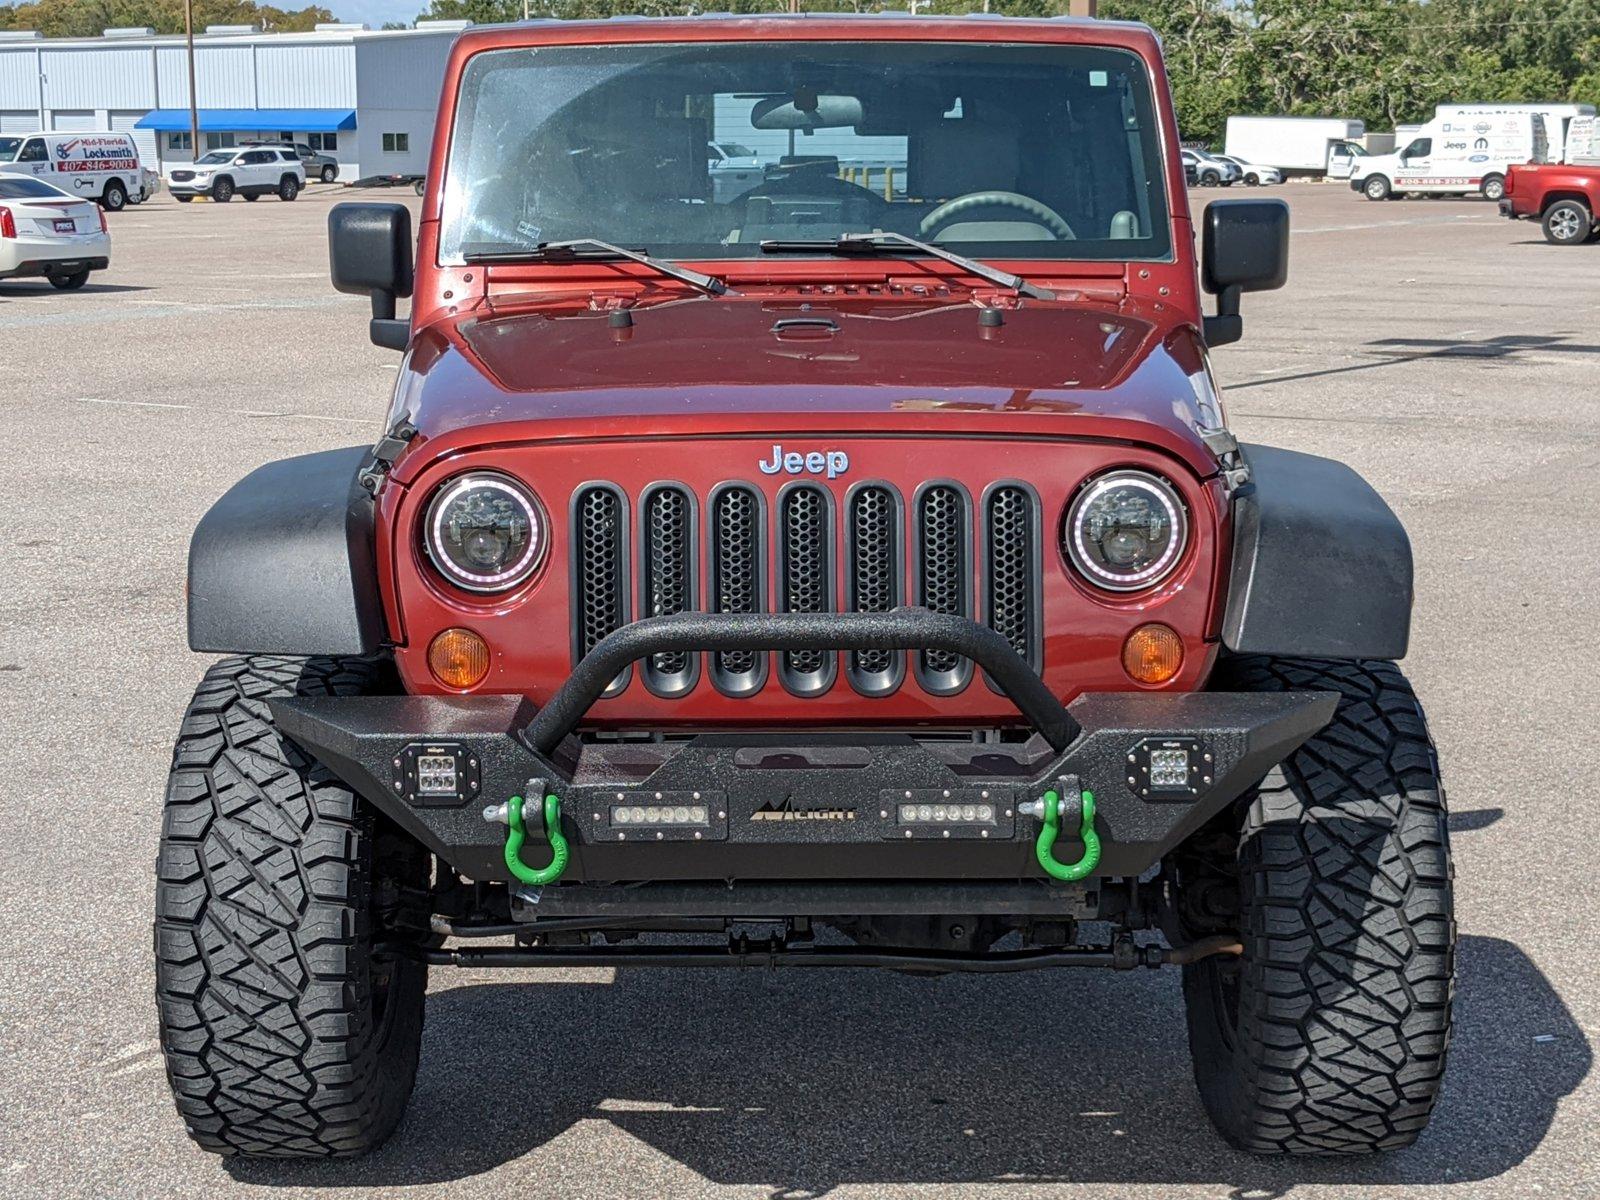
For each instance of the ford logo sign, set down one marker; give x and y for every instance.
(1479, 158)
(832, 463)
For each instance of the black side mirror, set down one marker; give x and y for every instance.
(1244, 247)
(369, 254)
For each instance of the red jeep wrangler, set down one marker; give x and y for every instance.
(854, 570)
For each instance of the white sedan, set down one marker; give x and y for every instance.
(1254, 173)
(45, 232)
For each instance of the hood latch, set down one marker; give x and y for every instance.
(1222, 443)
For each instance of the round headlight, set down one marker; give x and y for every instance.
(485, 532)
(1125, 530)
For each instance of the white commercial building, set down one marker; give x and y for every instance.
(367, 97)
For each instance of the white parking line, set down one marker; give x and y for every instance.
(226, 412)
(1448, 220)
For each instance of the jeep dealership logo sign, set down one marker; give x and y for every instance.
(832, 463)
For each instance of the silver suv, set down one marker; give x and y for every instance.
(318, 165)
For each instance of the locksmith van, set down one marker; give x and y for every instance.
(103, 166)
(1455, 156)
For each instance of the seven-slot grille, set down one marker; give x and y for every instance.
(820, 555)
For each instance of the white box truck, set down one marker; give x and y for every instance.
(1455, 156)
(1558, 118)
(1296, 145)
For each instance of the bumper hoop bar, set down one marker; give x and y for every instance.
(901, 630)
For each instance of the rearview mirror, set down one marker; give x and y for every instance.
(1244, 247)
(369, 254)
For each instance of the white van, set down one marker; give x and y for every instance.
(1455, 156)
(1558, 119)
(102, 166)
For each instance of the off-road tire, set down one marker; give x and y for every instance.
(1376, 187)
(283, 1036)
(1328, 1034)
(1567, 223)
(115, 197)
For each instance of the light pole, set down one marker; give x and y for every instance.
(194, 108)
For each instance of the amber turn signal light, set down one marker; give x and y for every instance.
(1152, 654)
(458, 658)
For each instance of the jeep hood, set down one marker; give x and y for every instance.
(761, 367)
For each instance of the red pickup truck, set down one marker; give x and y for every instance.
(1562, 198)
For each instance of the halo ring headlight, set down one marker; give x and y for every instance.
(1126, 530)
(485, 532)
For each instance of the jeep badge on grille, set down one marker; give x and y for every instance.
(832, 463)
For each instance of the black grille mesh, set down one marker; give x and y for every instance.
(873, 568)
(668, 585)
(1012, 555)
(603, 576)
(942, 543)
(805, 567)
(737, 534)
(736, 574)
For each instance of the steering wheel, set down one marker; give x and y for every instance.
(1040, 214)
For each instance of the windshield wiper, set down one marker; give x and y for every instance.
(595, 248)
(872, 243)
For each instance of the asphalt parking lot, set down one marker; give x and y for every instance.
(1450, 356)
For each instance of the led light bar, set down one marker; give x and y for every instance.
(947, 814)
(659, 815)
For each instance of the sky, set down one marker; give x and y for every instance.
(374, 12)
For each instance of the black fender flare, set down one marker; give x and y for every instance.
(284, 562)
(1321, 565)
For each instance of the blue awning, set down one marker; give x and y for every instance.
(251, 120)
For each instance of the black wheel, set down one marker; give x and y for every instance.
(250, 197)
(1493, 187)
(283, 1036)
(288, 188)
(69, 283)
(1568, 223)
(1376, 187)
(1253, 180)
(1210, 179)
(183, 199)
(222, 190)
(1327, 1034)
(418, 186)
(330, 173)
(115, 197)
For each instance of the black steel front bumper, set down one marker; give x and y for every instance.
(814, 806)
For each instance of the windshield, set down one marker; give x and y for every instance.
(9, 147)
(1008, 151)
(216, 156)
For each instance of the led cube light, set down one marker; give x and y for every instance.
(436, 775)
(1169, 768)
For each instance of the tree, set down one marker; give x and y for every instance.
(87, 18)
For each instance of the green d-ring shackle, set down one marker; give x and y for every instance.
(1044, 847)
(552, 830)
